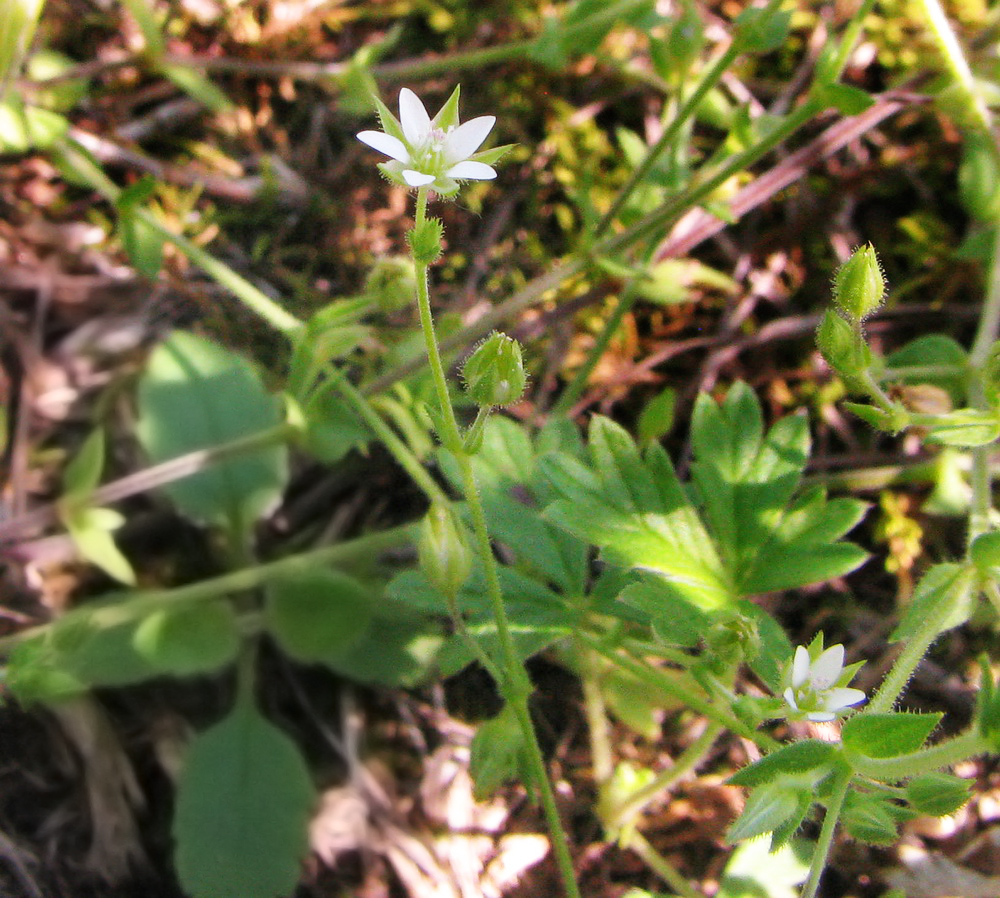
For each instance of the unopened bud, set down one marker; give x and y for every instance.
(732, 639)
(494, 373)
(425, 241)
(859, 286)
(979, 177)
(842, 346)
(443, 552)
(392, 283)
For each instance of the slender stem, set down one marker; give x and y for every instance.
(687, 762)
(989, 318)
(579, 383)
(955, 61)
(915, 647)
(669, 135)
(253, 298)
(602, 754)
(399, 450)
(943, 754)
(121, 607)
(680, 686)
(515, 685)
(153, 477)
(824, 843)
(658, 864)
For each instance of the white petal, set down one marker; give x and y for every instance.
(466, 139)
(413, 117)
(416, 178)
(800, 666)
(827, 668)
(836, 699)
(790, 698)
(821, 716)
(385, 143)
(472, 171)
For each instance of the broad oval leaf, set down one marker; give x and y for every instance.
(243, 806)
(314, 613)
(191, 639)
(887, 735)
(197, 395)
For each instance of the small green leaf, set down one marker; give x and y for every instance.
(908, 364)
(937, 794)
(243, 805)
(944, 595)
(965, 427)
(497, 754)
(197, 395)
(315, 613)
(845, 98)
(869, 819)
(985, 553)
(198, 87)
(761, 30)
(798, 757)
(88, 528)
(887, 735)
(83, 472)
(766, 809)
(657, 416)
(143, 243)
(189, 640)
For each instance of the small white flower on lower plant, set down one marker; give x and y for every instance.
(436, 152)
(817, 682)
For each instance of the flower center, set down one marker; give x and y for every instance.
(428, 157)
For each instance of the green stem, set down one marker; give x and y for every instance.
(944, 754)
(681, 687)
(222, 274)
(579, 383)
(915, 647)
(824, 843)
(955, 61)
(153, 477)
(686, 763)
(708, 81)
(397, 448)
(515, 686)
(656, 862)
(120, 607)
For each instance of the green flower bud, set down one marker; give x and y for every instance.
(937, 794)
(842, 346)
(494, 373)
(425, 241)
(443, 551)
(731, 639)
(392, 283)
(979, 177)
(859, 286)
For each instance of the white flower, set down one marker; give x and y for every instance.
(434, 153)
(818, 686)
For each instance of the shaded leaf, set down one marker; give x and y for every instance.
(243, 805)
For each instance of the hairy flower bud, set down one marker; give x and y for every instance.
(859, 286)
(444, 554)
(494, 373)
(842, 346)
